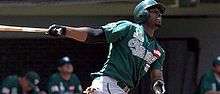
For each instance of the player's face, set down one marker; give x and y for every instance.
(25, 84)
(66, 68)
(155, 18)
(217, 69)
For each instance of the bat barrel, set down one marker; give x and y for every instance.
(4, 28)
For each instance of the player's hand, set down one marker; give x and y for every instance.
(56, 30)
(159, 87)
(89, 90)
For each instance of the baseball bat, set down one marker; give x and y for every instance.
(5, 28)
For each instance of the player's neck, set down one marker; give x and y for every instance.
(149, 29)
(20, 81)
(65, 76)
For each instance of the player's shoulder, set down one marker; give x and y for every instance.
(208, 76)
(74, 76)
(55, 76)
(11, 78)
(128, 23)
(74, 79)
(209, 73)
(10, 81)
(122, 23)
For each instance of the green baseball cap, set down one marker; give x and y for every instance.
(217, 60)
(33, 78)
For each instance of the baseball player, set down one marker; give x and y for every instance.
(22, 84)
(210, 81)
(64, 82)
(133, 50)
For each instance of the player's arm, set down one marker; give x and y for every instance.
(83, 34)
(158, 82)
(157, 75)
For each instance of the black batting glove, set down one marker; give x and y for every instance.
(159, 87)
(56, 30)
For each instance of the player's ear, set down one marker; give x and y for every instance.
(59, 68)
(214, 67)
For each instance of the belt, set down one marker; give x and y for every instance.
(123, 86)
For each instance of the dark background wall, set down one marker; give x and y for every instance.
(204, 28)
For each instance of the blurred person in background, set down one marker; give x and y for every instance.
(210, 81)
(24, 83)
(65, 81)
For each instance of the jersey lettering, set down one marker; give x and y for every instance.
(62, 88)
(14, 90)
(54, 88)
(137, 49)
(214, 87)
(5, 90)
(72, 88)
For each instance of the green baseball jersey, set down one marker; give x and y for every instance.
(11, 85)
(57, 85)
(131, 53)
(208, 82)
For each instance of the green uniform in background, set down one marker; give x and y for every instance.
(131, 53)
(11, 85)
(57, 85)
(208, 82)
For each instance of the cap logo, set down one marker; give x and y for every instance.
(66, 59)
(218, 58)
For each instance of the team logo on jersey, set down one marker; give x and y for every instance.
(72, 88)
(157, 53)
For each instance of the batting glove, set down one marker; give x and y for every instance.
(90, 90)
(159, 87)
(56, 30)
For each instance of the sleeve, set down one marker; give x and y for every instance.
(116, 30)
(78, 89)
(158, 64)
(52, 87)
